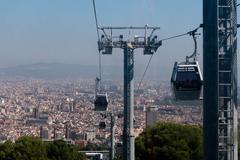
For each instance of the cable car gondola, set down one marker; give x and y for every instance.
(102, 125)
(101, 99)
(101, 102)
(186, 80)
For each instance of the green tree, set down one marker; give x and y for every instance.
(32, 148)
(168, 141)
(59, 150)
(29, 148)
(6, 150)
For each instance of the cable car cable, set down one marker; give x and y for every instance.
(98, 35)
(96, 20)
(145, 71)
(181, 35)
(173, 37)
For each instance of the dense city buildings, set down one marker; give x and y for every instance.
(63, 109)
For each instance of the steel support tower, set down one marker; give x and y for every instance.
(128, 128)
(220, 80)
(150, 45)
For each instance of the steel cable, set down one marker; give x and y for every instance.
(99, 56)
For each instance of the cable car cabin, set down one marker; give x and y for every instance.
(186, 81)
(102, 125)
(101, 102)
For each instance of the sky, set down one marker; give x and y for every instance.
(63, 31)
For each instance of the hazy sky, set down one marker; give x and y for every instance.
(64, 31)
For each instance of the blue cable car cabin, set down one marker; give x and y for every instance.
(187, 81)
(101, 102)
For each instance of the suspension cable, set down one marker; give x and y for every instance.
(181, 35)
(96, 20)
(145, 71)
(173, 37)
(98, 35)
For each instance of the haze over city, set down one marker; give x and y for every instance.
(61, 31)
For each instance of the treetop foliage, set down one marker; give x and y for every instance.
(168, 141)
(32, 148)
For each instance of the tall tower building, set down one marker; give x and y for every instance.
(67, 131)
(36, 112)
(151, 115)
(44, 134)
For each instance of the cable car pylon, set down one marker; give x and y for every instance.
(150, 44)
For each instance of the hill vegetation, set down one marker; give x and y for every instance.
(163, 141)
(32, 148)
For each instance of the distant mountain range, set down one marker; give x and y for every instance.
(61, 70)
(51, 71)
